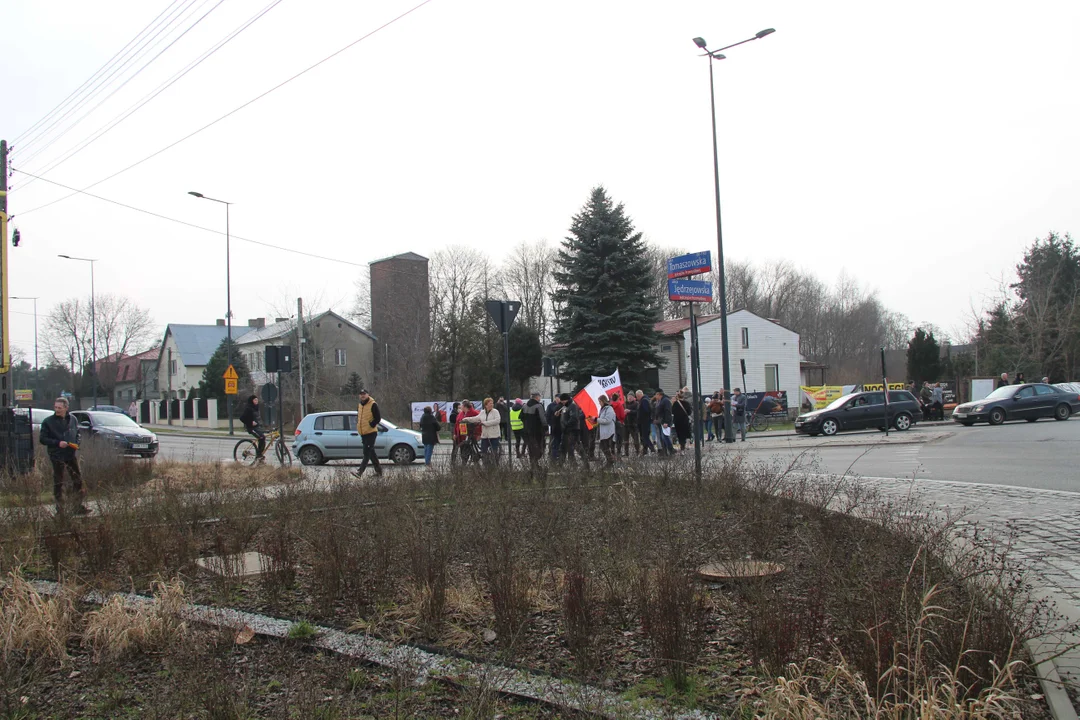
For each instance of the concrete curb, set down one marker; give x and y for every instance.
(1057, 698)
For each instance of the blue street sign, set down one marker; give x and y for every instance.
(689, 290)
(686, 265)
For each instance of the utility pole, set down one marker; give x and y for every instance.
(5, 358)
(300, 343)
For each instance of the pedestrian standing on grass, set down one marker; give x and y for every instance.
(60, 434)
(368, 418)
(429, 434)
(607, 422)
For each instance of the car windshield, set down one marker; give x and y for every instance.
(1003, 392)
(839, 402)
(114, 420)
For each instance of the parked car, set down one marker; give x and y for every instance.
(109, 408)
(325, 436)
(860, 411)
(1019, 402)
(37, 416)
(126, 435)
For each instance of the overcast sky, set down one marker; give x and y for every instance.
(919, 147)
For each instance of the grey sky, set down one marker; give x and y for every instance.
(904, 144)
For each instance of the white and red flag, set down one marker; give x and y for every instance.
(588, 398)
(611, 384)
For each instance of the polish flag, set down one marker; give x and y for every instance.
(611, 384)
(588, 399)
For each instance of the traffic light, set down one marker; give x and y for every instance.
(15, 238)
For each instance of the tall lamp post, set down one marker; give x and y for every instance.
(228, 290)
(15, 297)
(715, 55)
(93, 324)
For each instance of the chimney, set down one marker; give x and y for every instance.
(221, 322)
(257, 323)
(277, 320)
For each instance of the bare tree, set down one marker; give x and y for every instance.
(459, 276)
(526, 275)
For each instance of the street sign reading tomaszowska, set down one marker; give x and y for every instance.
(689, 290)
(687, 265)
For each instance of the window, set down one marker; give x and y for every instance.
(875, 398)
(772, 377)
(339, 357)
(746, 340)
(665, 348)
(172, 367)
(1045, 390)
(331, 422)
(1026, 392)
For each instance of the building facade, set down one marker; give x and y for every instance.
(401, 321)
(185, 351)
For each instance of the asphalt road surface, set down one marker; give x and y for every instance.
(1045, 454)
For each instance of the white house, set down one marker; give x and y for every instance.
(184, 353)
(770, 350)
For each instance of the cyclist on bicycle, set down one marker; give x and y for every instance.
(250, 419)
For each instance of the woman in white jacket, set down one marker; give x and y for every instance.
(491, 428)
(606, 419)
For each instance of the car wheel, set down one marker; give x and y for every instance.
(829, 427)
(402, 455)
(997, 416)
(967, 423)
(902, 421)
(310, 455)
(1062, 412)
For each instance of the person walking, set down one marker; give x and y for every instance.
(606, 419)
(518, 428)
(662, 421)
(60, 434)
(554, 409)
(429, 434)
(682, 419)
(630, 425)
(534, 424)
(249, 418)
(490, 422)
(738, 413)
(716, 408)
(573, 425)
(619, 408)
(645, 423)
(133, 411)
(368, 418)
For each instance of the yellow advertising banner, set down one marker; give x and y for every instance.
(821, 395)
(877, 386)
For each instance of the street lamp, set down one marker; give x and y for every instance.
(15, 297)
(93, 324)
(715, 55)
(228, 290)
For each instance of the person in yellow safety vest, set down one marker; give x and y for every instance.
(518, 426)
(368, 418)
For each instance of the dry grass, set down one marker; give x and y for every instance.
(33, 627)
(118, 628)
(202, 477)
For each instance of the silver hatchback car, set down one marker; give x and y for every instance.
(321, 437)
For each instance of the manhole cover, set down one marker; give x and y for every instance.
(738, 570)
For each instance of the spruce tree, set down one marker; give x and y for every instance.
(213, 382)
(923, 357)
(607, 313)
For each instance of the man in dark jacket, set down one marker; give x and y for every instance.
(644, 420)
(662, 419)
(504, 413)
(573, 426)
(368, 418)
(534, 423)
(249, 418)
(60, 434)
(633, 435)
(429, 434)
(555, 427)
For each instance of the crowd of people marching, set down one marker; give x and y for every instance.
(639, 423)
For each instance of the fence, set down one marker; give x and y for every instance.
(16, 441)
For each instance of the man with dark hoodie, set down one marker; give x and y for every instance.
(249, 418)
(644, 415)
(60, 434)
(662, 419)
(533, 423)
(632, 434)
(573, 427)
(555, 427)
(368, 418)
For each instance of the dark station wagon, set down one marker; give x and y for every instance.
(862, 411)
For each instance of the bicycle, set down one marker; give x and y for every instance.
(246, 451)
(759, 423)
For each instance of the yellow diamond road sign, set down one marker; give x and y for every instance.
(230, 374)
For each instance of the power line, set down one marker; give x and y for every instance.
(107, 80)
(234, 111)
(337, 261)
(153, 94)
(145, 65)
(89, 80)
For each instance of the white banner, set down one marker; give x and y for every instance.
(610, 384)
(442, 409)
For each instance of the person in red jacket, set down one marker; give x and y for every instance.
(466, 435)
(619, 407)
